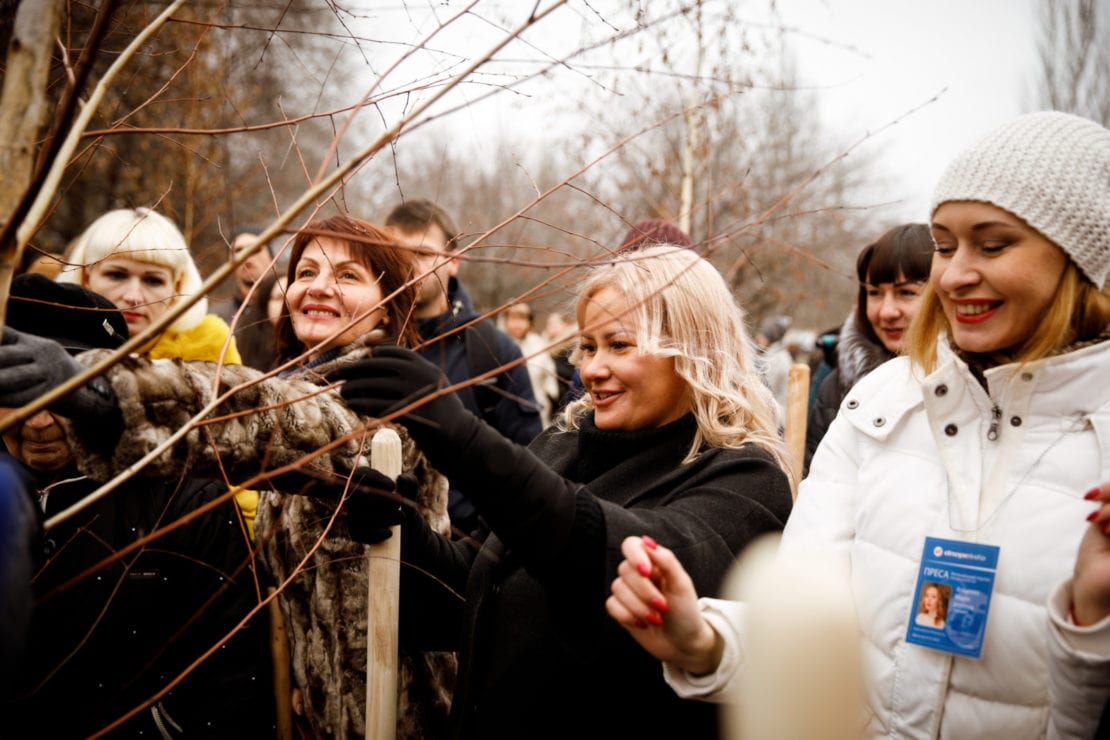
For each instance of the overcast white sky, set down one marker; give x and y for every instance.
(871, 61)
(981, 53)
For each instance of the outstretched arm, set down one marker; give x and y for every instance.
(267, 423)
(30, 366)
(530, 506)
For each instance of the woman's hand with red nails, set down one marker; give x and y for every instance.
(682, 637)
(1091, 582)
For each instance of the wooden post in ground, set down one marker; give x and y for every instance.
(797, 411)
(382, 607)
(283, 683)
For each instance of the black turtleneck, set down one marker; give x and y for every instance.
(599, 451)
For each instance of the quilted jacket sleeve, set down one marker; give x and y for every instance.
(1078, 670)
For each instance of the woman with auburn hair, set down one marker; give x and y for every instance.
(932, 606)
(972, 461)
(350, 285)
(346, 279)
(676, 436)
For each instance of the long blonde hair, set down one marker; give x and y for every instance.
(683, 309)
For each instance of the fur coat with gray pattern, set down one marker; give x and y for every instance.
(267, 423)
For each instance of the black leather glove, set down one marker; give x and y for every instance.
(31, 366)
(394, 377)
(375, 504)
(529, 505)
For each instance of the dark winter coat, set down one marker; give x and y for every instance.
(20, 530)
(516, 415)
(538, 653)
(856, 356)
(103, 645)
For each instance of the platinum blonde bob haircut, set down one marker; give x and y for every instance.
(142, 235)
(682, 308)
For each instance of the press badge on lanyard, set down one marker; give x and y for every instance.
(953, 596)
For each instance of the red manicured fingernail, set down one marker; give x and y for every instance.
(654, 618)
(659, 604)
(1093, 514)
(1092, 494)
(649, 542)
(641, 623)
(645, 569)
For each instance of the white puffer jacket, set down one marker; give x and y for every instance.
(907, 458)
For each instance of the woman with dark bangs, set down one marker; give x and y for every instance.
(892, 272)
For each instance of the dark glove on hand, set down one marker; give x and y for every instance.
(392, 378)
(529, 505)
(375, 504)
(31, 366)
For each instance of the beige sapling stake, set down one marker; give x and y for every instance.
(797, 408)
(382, 607)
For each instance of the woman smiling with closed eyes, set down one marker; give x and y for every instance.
(995, 276)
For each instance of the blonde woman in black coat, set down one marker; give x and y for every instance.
(676, 436)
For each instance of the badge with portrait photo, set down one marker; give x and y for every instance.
(953, 596)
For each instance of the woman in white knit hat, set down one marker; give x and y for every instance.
(975, 461)
(138, 259)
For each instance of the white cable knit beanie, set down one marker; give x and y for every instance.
(1050, 169)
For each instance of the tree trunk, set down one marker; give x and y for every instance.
(23, 110)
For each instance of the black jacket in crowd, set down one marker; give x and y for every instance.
(856, 355)
(102, 643)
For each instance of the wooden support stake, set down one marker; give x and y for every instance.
(382, 607)
(283, 682)
(797, 409)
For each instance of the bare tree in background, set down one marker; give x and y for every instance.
(734, 159)
(1075, 58)
(224, 116)
(154, 140)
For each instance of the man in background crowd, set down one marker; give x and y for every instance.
(506, 401)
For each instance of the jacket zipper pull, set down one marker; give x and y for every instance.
(996, 414)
